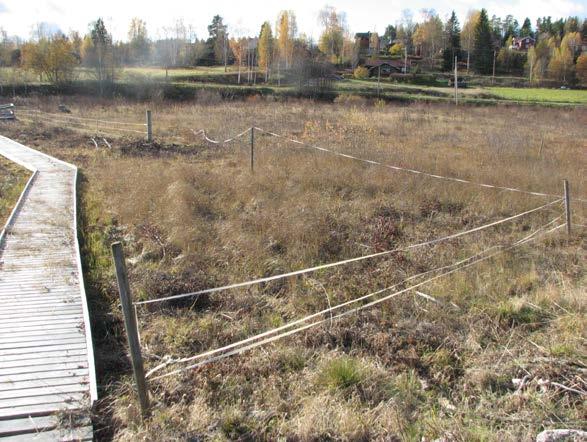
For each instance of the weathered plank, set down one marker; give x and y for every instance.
(43, 375)
(74, 435)
(51, 382)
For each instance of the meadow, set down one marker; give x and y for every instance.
(495, 351)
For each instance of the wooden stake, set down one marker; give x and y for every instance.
(456, 83)
(130, 325)
(493, 77)
(252, 149)
(149, 127)
(378, 81)
(567, 206)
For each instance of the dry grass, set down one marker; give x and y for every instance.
(193, 216)
(13, 178)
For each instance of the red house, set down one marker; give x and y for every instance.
(523, 43)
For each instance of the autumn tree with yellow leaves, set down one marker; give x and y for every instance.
(52, 58)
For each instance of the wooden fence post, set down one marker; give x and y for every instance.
(130, 325)
(149, 127)
(252, 149)
(567, 206)
(456, 82)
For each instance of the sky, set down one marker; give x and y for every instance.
(18, 17)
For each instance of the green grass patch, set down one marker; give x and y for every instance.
(342, 373)
(540, 95)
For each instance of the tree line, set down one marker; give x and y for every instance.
(483, 45)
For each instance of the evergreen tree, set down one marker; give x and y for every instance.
(483, 50)
(390, 34)
(526, 30)
(217, 40)
(452, 32)
(99, 53)
(511, 28)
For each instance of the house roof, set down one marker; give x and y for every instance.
(376, 63)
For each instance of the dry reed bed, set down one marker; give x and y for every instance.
(194, 216)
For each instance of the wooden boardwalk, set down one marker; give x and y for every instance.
(47, 377)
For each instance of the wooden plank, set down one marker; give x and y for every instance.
(41, 341)
(54, 325)
(56, 311)
(28, 333)
(73, 398)
(49, 347)
(41, 307)
(33, 321)
(42, 375)
(82, 434)
(36, 410)
(51, 390)
(37, 383)
(45, 365)
(28, 425)
(24, 361)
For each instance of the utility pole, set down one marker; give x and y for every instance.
(405, 60)
(456, 83)
(225, 51)
(493, 78)
(378, 81)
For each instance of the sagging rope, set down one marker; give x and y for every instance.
(413, 171)
(470, 261)
(82, 125)
(94, 120)
(210, 140)
(346, 261)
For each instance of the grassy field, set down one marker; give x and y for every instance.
(12, 181)
(540, 95)
(482, 363)
(142, 82)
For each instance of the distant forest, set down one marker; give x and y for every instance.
(548, 49)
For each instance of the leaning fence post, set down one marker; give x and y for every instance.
(252, 149)
(130, 325)
(149, 127)
(567, 206)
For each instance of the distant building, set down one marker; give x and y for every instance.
(523, 43)
(367, 43)
(387, 67)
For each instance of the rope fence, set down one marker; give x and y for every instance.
(93, 120)
(347, 261)
(112, 125)
(172, 366)
(100, 126)
(266, 338)
(409, 170)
